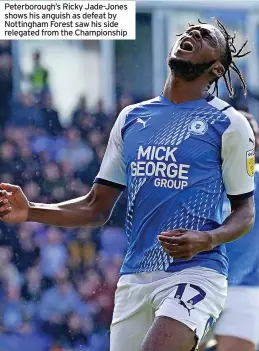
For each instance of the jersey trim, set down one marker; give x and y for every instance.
(225, 108)
(241, 196)
(109, 183)
(209, 98)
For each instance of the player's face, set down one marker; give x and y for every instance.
(199, 44)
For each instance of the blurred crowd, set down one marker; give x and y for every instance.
(56, 286)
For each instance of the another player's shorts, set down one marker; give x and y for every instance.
(240, 317)
(194, 296)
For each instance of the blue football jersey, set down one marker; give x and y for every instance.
(243, 253)
(177, 161)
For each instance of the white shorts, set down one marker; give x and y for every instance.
(240, 317)
(194, 296)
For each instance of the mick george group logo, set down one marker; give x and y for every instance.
(160, 163)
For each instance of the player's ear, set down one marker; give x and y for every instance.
(217, 70)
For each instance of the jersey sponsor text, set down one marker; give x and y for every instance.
(160, 162)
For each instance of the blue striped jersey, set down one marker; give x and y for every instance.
(177, 162)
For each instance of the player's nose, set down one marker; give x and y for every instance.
(196, 34)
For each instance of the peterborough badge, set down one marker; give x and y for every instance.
(198, 126)
(250, 162)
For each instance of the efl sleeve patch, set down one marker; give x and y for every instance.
(238, 155)
(250, 162)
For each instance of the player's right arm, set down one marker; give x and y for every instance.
(93, 209)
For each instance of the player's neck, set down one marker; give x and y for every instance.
(178, 90)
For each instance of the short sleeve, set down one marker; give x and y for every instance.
(113, 169)
(238, 156)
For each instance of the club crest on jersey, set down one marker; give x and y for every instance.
(198, 126)
(250, 162)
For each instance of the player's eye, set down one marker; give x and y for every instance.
(207, 35)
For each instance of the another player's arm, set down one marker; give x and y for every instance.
(238, 145)
(93, 209)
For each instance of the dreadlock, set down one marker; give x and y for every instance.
(227, 61)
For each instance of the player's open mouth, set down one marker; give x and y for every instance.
(187, 46)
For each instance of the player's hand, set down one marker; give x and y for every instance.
(184, 244)
(14, 206)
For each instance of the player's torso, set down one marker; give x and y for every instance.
(174, 147)
(173, 161)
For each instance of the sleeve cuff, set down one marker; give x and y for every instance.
(241, 196)
(109, 183)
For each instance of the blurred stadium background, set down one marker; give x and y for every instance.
(58, 101)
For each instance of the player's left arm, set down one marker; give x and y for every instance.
(238, 159)
(238, 155)
(238, 223)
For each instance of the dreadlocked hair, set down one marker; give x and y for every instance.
(228, 61)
